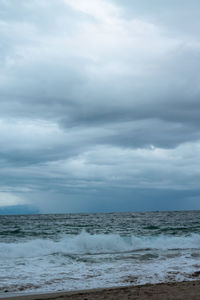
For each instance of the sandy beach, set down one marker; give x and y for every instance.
(178, 290)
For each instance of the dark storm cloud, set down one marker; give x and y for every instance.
(97, 93)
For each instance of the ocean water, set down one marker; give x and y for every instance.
(44, 253)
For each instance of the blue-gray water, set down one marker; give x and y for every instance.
(64, 252)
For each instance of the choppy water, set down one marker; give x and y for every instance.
(42, 253)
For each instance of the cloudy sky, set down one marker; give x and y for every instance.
(100, 105)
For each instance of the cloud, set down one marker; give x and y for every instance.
(96, 94)
(100, 10)
(8, 199)
(135, 168)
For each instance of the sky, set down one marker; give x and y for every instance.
(99, 105)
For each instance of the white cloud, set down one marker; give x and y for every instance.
(27, 134)
(9, 199)
(127, 47)
(99, 9)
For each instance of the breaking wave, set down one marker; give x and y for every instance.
(85, 243)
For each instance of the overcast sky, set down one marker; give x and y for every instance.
(100, 104)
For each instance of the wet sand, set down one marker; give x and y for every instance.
(178, 290)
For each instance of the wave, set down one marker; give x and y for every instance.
(85, 243)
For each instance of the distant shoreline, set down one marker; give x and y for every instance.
(177, 290)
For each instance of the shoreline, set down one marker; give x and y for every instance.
(174, 290)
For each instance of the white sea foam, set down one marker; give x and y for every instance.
(167, 250)
(85, 260)
(98, 243)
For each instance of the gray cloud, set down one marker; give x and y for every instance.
(96, 94)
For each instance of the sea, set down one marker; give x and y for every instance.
(63, 252)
